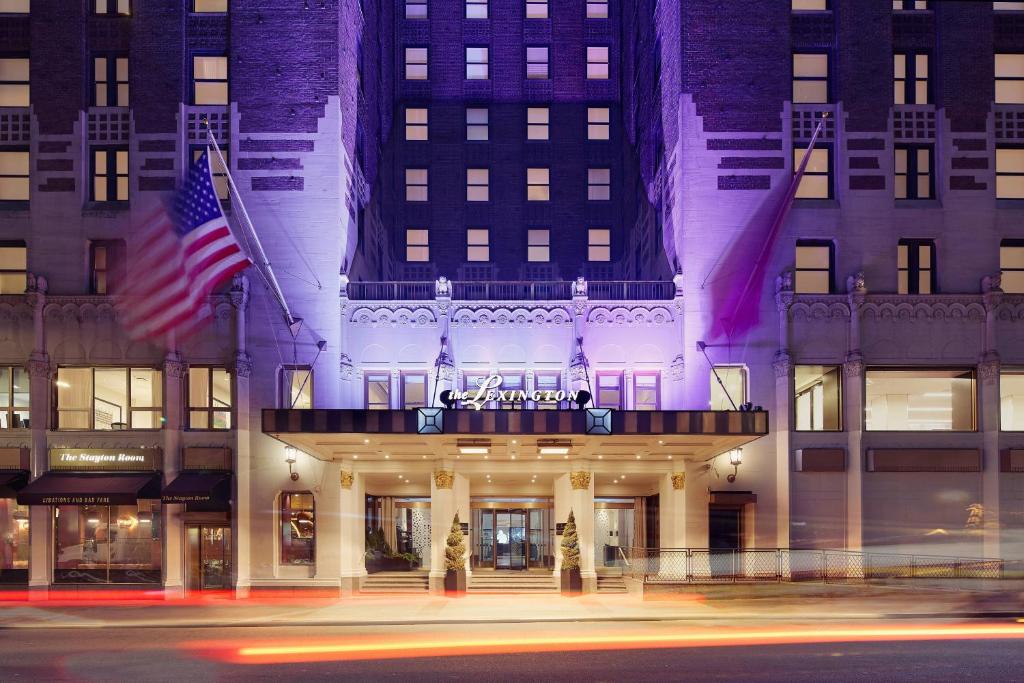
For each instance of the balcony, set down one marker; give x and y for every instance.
(513, 291)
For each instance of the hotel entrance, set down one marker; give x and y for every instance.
(512, 538)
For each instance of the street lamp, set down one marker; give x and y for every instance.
(735, 459)
(290, 454)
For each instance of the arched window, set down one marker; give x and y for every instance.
(298, 528)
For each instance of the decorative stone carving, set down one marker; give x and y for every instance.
(503, 316)
(345, 365)
(988, 367)
(395, 316)
(39, 366)
(678, 480)
(579, 480)
(992, 283)
(782, 365)
(578, 363)
(854, 366)
(243, 364)
(346, 480)
(579, 287)
(174, 366)
(444, 479)
(442, 288)
(239, 292)
(855, 284)
(784, 282)
(630, 315)
(678, 368)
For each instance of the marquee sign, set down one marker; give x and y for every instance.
(105, 459)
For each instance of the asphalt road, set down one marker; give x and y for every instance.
(200, 655)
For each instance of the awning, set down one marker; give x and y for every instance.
(199, 487)
(82, 488)
(12, 481)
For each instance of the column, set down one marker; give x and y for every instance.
(175, 370)
(988, 411)
(442, 511)
(241, 558)
(329, 529)
(462, 508)
(574, 491)
(352, 510)
(40, 378)
(672, 508)
(782, 367)
(579, 372)
(853, 401)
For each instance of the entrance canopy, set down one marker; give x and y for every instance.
(81, 488)
(199, 487)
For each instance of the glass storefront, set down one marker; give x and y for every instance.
(108, 543)
(14, 534)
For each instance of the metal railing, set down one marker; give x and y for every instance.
(705, 565)
(491, 290)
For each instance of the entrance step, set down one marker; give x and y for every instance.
(483, 581)
(396, 582)
(609, 571)
(611, 584)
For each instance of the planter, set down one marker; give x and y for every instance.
(455, 582)
(389, 564)
(572, 581)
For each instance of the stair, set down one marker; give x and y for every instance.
(609, 580)
(483, 581)
(396, 582)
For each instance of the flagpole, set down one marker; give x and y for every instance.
(294, 324)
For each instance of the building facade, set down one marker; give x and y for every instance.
(543, 198)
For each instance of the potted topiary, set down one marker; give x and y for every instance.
(572, 581)
(455, 561)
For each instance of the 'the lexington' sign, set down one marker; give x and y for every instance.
(490, 389)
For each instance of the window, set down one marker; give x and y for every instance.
(538, 245)
(209, 80)
(217, 170)
(14, 82)
(512, 382)
(471, 382)
(599, 244)
(816, 182)
(908, 5)
(1011, 266)
(609, 390)
(1011, 400)
(912, 172)
(477, 185)
(416, 123)
(597, 9)
(476, 9)
(108, 544)
(14, 176)
(810, 78)
(110, 82)
(415, 9)
(599, 184)
(910, 78)
(417, 246)
(14, 398)
(1009, 78)
(106, 265)
(110, 174)
(476, 64)
(1009, 172)
(817, 395)
(647, 391)
(378, 390)
(537, 62)
(536, 9)
(416, 184)
(113, 7)
(915, 262)
(815, 264)
(545, 382)
(478, 242)
(597, 123)
(415, 63)
(297, 387)
(919, 399)
(109, 398)
(14, 525)
(538, 188)
(810, 5)
(21, 6)
(1002, 6)
(537, 121)
(414, 390)
(597, 62)
(209, 6)
(298, 528)
(733, 385)
(476, 124)
(13, 267)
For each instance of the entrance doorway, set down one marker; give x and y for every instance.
(208, 557)
(511, 538)
(725, 533)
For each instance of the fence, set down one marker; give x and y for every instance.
(490, 290)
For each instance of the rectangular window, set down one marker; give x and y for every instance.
(1011, 400)
(815, 265)
(816, 182)
(810, 78)
(536, 9)
(13, 267)
(910, 78)
(599, 184)
(417, 245)
(297, 387)
(209, 398)
(209, 80)
(599, 244)
(378, 390)
(609, 390)
(1011, 265)
(919, 399)
(298, 528)
(597, 123)
(537, 122)
(109, 398)
(217, 170)
(915, 262)
(415, 9)
(478, 244)
(537, 63)
(476, 9)
(14, 529)
(476, 124)
(14, 398)
(471, 382)
(477, 64)
(1004, 6)
(14, 82)
(538, 245)
(512, 382)
(1009, 172)
(647, 391)
(545, 382)
(728, 382)
(113, 7)
(14, 6)
(909, 5)
(414, 390)
(817, 395)
(14, 176)
(597, 9)
(597, 62)
(416, 184)
(1010, 78)
(110, 81)
(106, 265)
(110, 174)
(810, 5)
(108, 544)
(416, 123)
(912, 172)
(415, 63)
(478, 185)
(209, 6)
(538, 184)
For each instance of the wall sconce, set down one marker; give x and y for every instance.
(735, 459)
(290, 453)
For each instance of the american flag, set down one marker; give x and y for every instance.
(182, 253)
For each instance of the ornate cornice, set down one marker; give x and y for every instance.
(346, 479)
(678, 480)
(828, 307)
(444, 479)
(393, 316)
(505, 315)
(782, 365)
(579, 480)
(630, 314)
(924, 307)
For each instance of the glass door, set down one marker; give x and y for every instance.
(209, 557)
(517, 539)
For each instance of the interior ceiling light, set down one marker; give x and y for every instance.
(554, 446)
(474, 446)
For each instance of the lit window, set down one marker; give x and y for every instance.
(537, 121)
(416, 123)
(416, 184)
(538, 245)
(597, 123)
(646, 391)
(538, 184)
(599, 184)
(209, 6)
(476, 9)
(919, 399)
(511, 382)
(378, 390)
(817, 397)
(14, 82)
(913, 172)
(816, 182)
(477, 185)
(537, 62)
(109, 398)
(113, 7)
(810, 78)
(545, 382)
(13, 267)
(298, 528)
(1002, 6)
(209, 80)
(478, 243)
(217, 170)
(476, 124)
(14, 176)
(108, 544)
(106, 265)
(1010, 78)
(209, 398)
(1009, 172)
(14, 398)
(910, 78)
(536, 9)
(415, 9)
(110, 81)
(297, 387)
(417, 245)
(1011, 266)
(476, 63)
(110, 175)
(915, 262)
(810, 5)
(908, 5)
(814, 265)
(599, 244)
(597, 9)
(1011, 400)
(415, 63)
(597, 62)
(728, 382)
(414, 390)
(14, 6)
(609, 390)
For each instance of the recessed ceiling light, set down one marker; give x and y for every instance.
(472, 450)
(355, 457)
(399, 476)
(600, 457)
(622, 476)
(538, 457)
(366, 441)
(513, 441)
(513, 457)
(424, 457)
(387, 457)
(638, 457)
(660, 442)
(670, 457)
(554, 450)
(485, 457)
(566, 457)
(615, 481)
